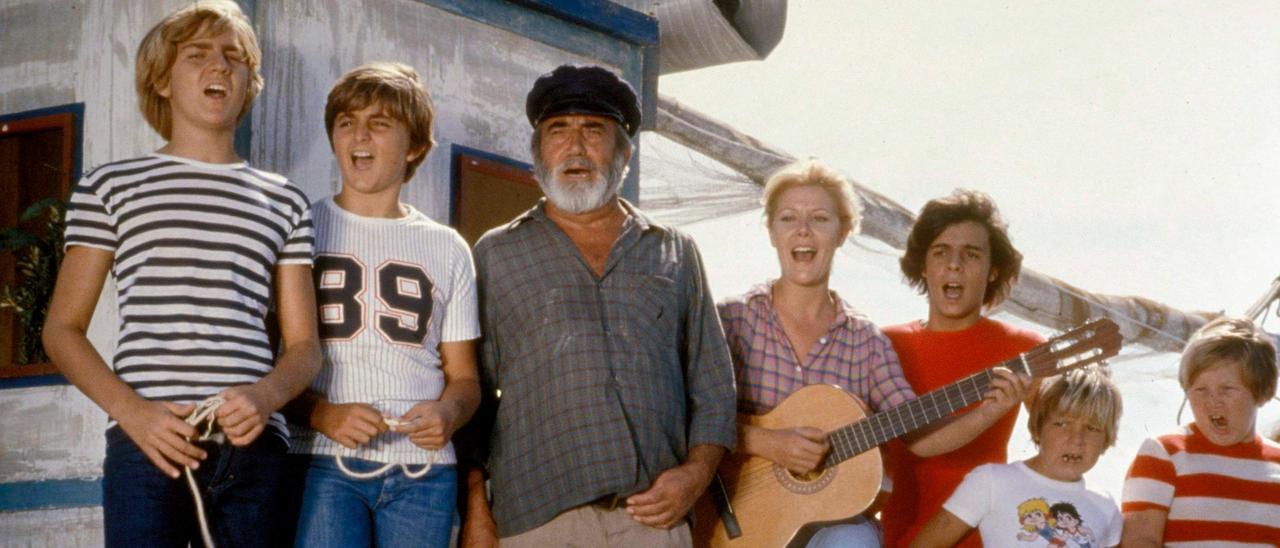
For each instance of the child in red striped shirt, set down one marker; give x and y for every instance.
(1215, 480)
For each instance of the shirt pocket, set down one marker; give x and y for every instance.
(654, 310)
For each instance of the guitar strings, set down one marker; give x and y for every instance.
(758, 477)
(870, 432)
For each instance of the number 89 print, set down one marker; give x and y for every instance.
(403, 299)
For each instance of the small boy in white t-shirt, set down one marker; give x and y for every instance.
(1043, 501)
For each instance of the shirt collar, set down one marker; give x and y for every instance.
(845, 314)
(539, 212)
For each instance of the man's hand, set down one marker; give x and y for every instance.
(430, 424)
(800, 449)
(1007, 390)
(349, 424)
(243, 416)
(666, 503)
(160, 432)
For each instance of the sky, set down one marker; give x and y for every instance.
(1132, 146)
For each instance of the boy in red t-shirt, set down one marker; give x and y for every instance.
(958, 255)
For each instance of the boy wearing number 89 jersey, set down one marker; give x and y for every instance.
(397, 308)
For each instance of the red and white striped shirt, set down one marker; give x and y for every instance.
(1213, 494)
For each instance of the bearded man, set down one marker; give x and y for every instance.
(609, 383)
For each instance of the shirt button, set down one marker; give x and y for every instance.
(823, 340)
(799, 369)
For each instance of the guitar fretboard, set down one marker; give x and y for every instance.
(851, 440)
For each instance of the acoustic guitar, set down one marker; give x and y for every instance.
(771, 503)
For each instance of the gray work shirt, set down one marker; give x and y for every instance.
(605, 381)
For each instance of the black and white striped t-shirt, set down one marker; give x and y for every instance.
(388, 291)
(196, 246)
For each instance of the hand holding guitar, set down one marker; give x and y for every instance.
(1008, 389)
(800, 449)
(771, 507)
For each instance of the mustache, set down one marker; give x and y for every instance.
(577, 162)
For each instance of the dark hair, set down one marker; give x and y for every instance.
(1065, 508)
(963, 205)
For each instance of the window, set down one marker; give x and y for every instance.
(39, 159)
(488, 190)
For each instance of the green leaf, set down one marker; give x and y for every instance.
(15, 238)
(37, 209)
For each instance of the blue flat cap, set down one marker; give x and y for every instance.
(583, 89)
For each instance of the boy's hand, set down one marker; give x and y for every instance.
(1007, 390)
(349, 424)
(160, 432)
(244, 415)
(430, 424)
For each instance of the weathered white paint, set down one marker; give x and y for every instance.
(51, 432)
(477, 75)
(67, 527)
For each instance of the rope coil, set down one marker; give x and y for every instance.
(202, 415)
(432, 457)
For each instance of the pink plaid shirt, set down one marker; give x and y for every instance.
(854, 354)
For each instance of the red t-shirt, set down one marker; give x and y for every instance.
(931, 360)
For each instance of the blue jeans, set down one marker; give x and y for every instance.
(389, 510)
(855, 533)
(240, 485)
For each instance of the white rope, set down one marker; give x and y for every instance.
(203, 414)
(432, 457)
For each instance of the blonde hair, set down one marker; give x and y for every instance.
(397, 88)
(1234, 340)
(1034, 505)
(1086, 393)
(159, 49)
(815, 173)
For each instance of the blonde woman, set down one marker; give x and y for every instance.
(795, 331)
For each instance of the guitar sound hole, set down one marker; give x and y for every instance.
(806, 477)
(810, 482)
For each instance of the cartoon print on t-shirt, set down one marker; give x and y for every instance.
(1069, 529)
(1036, 521)
(1057, 525)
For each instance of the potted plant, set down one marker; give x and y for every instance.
(38, 250)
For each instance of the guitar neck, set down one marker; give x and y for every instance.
(853, 439)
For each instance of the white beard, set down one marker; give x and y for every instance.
(580, 197)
